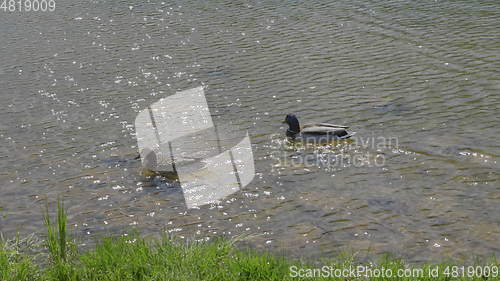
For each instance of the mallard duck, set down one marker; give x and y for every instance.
(317, 133)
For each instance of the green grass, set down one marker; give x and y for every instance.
(135, 258)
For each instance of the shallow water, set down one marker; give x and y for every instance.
(417, 82)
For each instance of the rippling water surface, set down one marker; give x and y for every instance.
(421, 74)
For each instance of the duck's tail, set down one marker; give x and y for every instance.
(347, 136)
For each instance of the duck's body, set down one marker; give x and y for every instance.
(315, 133)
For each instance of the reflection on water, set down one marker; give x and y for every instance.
(424, 73)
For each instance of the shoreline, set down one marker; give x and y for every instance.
(132, 257)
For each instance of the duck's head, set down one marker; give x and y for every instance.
(293, 123)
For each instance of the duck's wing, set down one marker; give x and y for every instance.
(320, 130)
(325, 125)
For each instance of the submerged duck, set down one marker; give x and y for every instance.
(317, 133)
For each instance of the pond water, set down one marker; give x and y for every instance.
(417, 82)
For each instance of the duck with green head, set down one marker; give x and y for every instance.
(316, 133)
